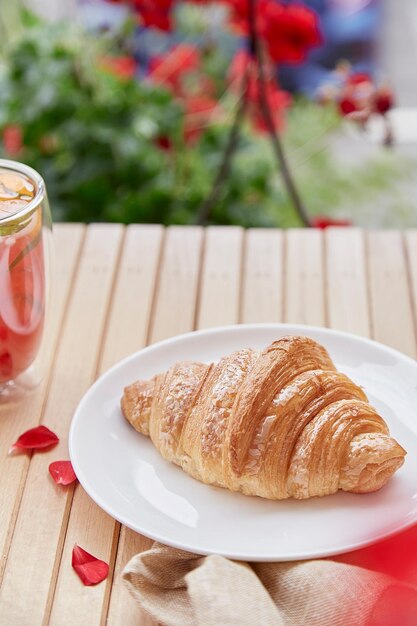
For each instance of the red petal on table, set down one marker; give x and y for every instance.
(90, 569)
(62, 472)
(35, 439)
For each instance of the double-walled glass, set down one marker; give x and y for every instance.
(25, 274)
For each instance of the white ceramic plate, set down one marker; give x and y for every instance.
(125, 476)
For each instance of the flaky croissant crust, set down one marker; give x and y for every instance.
(278, 423)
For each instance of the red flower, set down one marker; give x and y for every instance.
(155, 13)
(196, 96)
(89, 568)
(13, 139)
(168, 69)
(383, 100)
(356, 97)
(239, 15)
(123, 66)
(322, 221)
(152, 13)
(290, 31)
(347, 106)
(278, 99)
(35, 439)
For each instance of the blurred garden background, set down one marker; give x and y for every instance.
(251, 112)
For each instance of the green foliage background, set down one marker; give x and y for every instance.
(93, 137)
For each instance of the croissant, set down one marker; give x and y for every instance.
(279, 423)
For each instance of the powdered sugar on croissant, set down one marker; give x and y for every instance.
(278, 423)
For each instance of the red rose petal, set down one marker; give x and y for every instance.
(322, 221)
(35, 439)
(90, 569)
(62, 472)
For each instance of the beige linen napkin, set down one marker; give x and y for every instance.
(181, 589)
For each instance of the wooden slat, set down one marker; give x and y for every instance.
(18, 417)
(391, 310)
(262, 296)
(220, 279)
(304, 278)
(132, 298)
(347, 295)
(123, 608)
(178, 282)
(39, 534)
(126, 332)
(176, 293)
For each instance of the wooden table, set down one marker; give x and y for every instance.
(120, 288)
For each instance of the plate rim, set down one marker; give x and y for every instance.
(183, 545)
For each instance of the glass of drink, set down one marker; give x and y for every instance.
(25, 240)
